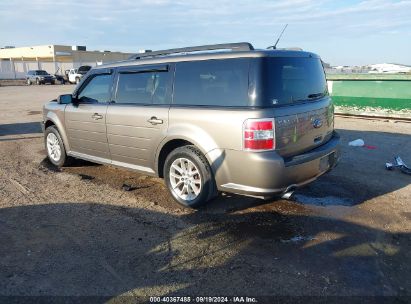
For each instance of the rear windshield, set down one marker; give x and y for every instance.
(289, 80)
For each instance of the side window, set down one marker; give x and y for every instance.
(143, 88)
(212, 82)
(161, 88)
(98, 89)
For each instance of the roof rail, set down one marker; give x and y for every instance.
(241, 46)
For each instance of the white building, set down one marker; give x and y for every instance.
(389, 68)
(16, 61)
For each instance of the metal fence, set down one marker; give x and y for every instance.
(10, 69)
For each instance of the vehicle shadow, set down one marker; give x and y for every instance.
(20, 128)
(90, 249)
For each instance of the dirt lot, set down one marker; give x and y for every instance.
(76, 232)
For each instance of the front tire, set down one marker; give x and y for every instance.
(56, 152)
(188, 177)
(38, 81)
(28, 81)
(77, 80)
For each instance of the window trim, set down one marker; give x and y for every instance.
(143, 68)
(140, 69)
(89, 77)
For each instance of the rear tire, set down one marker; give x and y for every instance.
(188, 177)
(77, 80)
(56, 152)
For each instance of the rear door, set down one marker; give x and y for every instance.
(86, 121)
(137, 119)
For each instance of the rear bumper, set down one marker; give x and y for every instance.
(266, 174)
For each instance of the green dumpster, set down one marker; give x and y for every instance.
(384, 95)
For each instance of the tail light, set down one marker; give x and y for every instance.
(258, 134)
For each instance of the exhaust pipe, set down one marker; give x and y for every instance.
(288, 193)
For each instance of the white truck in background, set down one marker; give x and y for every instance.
(75, 75)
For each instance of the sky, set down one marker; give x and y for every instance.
(342, 32)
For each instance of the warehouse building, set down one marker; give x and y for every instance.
(16, 61)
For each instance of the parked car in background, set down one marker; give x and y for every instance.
(60, 78)
(75, 75)
(252, 122)
(39, 77)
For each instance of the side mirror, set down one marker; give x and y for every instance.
(67, 99)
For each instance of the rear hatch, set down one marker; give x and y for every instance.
(305, 129)
(295, 90)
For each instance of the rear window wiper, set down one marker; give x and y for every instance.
(309, 97)
(316, 95)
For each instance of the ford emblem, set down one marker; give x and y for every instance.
(317, 123)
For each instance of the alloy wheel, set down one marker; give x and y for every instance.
(185, 179)
(53, 147)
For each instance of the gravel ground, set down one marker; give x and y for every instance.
(76, 232)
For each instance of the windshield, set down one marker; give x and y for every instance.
(40, 72)
(289, 80)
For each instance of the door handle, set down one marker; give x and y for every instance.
(155, 121)
(97, 116)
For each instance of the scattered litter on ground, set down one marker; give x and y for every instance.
(356, 143)
(360, 143)
(298, 238)
(127, 187)
(398, 163)
(86, 177)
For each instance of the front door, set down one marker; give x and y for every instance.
(137, 119)
(86, 120)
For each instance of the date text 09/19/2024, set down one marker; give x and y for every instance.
(205, 299)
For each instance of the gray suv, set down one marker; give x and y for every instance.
(206, 119)
(39, 77)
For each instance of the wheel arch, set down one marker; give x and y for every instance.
(165, 150)
(53, 120)
(184, 134)
(172, 143)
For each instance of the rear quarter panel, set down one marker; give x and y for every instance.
(210, 127)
